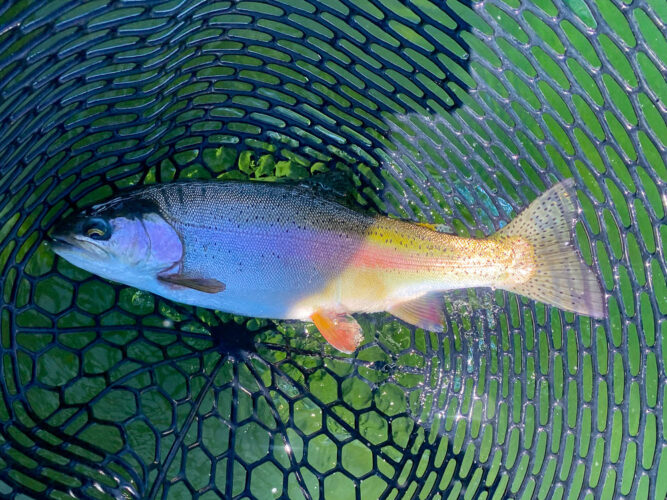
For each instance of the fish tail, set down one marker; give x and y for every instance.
(555, 274)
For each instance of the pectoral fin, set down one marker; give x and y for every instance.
(425, 312)
(341, 330)
(206, 285)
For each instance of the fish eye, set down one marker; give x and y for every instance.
(97, 229)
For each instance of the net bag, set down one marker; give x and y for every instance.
(451, 112)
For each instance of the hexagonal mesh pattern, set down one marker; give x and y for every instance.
(450, 112)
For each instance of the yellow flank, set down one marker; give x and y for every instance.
(400, 261)
(402, 268)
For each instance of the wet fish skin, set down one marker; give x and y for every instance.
(270, 244)
(280, 251)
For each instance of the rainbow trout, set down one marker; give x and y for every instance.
(279, 251)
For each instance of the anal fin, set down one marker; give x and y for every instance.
(425, 312)
(339, 329)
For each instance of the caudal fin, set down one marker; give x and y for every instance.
(560, 277)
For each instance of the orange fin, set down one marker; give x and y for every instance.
(206, 285)
(339, 329)
(425, 312)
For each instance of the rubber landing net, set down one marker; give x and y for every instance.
(450, 112)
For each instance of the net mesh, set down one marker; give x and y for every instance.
(450, 112)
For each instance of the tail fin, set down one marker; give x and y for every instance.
(560, 278)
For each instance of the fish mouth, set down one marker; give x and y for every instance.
(58, 241)
(62, 244)
(62, 240)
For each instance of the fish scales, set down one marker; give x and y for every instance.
(270, 244)
(279, 251)
(283, 252)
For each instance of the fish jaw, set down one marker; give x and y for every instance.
(82, 254)
(92, 259)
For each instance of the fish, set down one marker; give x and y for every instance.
(284, 252)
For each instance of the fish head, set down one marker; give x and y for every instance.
(126, 240)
